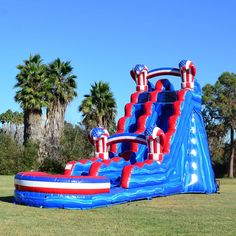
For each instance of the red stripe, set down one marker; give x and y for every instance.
(150, 156)
(126, 174)
(187, 77)
(97, 145)
(95, 167)
(134, 97)
(154, 146)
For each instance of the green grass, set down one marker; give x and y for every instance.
(191, 214)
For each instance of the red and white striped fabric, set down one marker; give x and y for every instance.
(101, 149)
(99, 136)
(155, 140)
(187, 71)
(139, 74)
(61, 184)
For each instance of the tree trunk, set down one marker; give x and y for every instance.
(33, 126)
(19, 134)
(53, 130)
(12, 130)
(7, 128)
(4, 126)
(99, 122)
(231, 162)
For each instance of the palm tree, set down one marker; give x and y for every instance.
(18, 120)
(61, 93)
(4, 120)
(7, 122)
(31, 85)
(99, 107)
(10, 122)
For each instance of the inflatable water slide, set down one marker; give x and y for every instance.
(160, 149)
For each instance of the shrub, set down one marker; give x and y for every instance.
(74, 146)
(15, 158)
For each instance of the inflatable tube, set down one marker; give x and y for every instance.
(61, 184)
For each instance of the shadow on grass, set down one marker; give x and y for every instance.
(8, 199)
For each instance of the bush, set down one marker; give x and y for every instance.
(15, 158)
(74, 146)
(52, 166)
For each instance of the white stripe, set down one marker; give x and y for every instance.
(156, 157)
(60, 185)
(145, 74)
(105, 144)
(106, 157)
(187, 64)
(142, 87)
(151, 146)
(154, 132)
(141, 80)
(184, 76)
(100, 145)
(194, 180)
(68, 166)
(190, 75)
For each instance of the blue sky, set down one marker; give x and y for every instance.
(105, 39)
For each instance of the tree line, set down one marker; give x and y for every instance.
(43, 140)
(12, 124)
(219, 112)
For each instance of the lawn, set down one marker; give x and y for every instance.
(191, 214)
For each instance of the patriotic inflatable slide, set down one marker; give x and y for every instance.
(160, 148)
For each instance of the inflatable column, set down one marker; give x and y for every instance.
(139, 74)
(99, 137)
(155, 140)
(187, 71)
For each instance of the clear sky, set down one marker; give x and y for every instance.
(104, 39)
